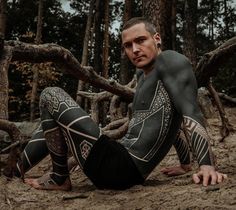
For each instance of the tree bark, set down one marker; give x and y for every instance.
(84, 60)
(152, 11)
(98, 37)
(4, 63)
(126, 68)
(105, 56)
(173, 24)
(159, 13)
(190, 30)
(5, 59)
(3, 11)
(35, 80)
(14, 155)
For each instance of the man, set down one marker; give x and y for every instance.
(165, 97)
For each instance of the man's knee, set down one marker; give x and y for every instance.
(48, 93)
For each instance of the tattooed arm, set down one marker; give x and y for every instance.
(182, 149)
(180, 82)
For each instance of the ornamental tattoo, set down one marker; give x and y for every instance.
(199, 139)
(182, 148)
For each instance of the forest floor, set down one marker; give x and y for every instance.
(158, 192)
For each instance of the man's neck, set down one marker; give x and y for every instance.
(148, 68)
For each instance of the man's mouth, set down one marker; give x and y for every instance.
(137, 58)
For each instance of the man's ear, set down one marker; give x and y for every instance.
(157, 38)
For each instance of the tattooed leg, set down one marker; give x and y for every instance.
(35, 151)
(57, 148)
(199, 141)
(65, 123)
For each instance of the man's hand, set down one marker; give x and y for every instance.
(176, 170)
(208, 175)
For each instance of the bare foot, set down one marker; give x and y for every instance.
(73, 165)
(46, 183)
(176, 170)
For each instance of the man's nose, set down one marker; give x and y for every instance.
(135, 48)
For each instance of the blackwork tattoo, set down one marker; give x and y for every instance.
(182, 148)
(199, 141)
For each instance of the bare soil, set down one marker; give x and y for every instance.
(159, 191)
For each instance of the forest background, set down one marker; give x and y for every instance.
(64, 23)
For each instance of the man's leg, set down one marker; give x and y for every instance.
(64, 123)
(182, 149)
(35, 151)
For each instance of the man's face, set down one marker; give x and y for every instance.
(140, 46)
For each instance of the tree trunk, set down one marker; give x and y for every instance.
(3, 11)
(159, 13)
(4, 64)
(152, 11)
(226, 19)
(190, 30)
(212, 21)
(105, 59)
(35, 81)
(84, 60)
(126, 69)
(173, 24)
(98, 37)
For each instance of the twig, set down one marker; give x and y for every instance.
(70, 197)
(16, 143)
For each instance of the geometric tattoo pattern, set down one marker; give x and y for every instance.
(85, 148)
(182, 148)
(160, 106)
(59, 104)
(75, 123)
(199, 139)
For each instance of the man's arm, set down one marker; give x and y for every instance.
(182, 149)
(180, 83)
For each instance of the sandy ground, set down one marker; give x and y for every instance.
(159, 191)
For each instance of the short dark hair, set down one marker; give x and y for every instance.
(136, 20)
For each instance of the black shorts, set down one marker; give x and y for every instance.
(109, 166)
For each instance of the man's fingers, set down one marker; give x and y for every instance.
(214, 178)
(206, 177)
(196, 178)
(221, 177)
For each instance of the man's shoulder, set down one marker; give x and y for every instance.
(170, 61)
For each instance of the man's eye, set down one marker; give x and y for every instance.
(141, 41)
(127, 45)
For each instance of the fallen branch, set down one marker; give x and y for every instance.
(210, 62)
(227, 98)
(67, 62)
(14, 155)
(226, 127)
